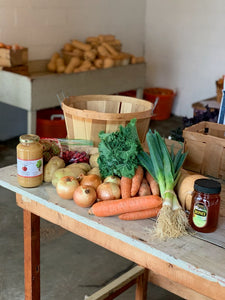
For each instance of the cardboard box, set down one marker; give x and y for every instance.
(12, 58)
(205, 144)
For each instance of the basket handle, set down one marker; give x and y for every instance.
(60, 96)
(154, 105)
(57, 116)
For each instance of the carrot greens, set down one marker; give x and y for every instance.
(165, 169)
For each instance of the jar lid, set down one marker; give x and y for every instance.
(29, 138)
(207, 186)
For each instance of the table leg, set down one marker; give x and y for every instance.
(141, 286)
(31, 255)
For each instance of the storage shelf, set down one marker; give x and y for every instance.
(39, 90)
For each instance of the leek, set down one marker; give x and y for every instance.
(165, 167)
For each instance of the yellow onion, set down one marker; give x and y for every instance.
(108, 191)
(84, 195)
(91, 180)
(112, 178)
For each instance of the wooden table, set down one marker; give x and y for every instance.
(39, 90)
(192, 266)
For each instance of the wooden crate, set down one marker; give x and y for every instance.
(12, 58)
(205, 144)
(219, 89)
(22, 70)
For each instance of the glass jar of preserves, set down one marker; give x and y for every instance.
(29, 161)
(204, 213)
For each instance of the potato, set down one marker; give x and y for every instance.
(74, 172)
(54, 164)
(84, 166)
(95, 171)
(93, 160)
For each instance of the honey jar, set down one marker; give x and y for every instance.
(204, 213)
(29, 161)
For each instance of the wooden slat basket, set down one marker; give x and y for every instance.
(205, 144)
(86, 116)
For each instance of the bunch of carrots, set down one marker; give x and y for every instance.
(139, 198)
(149, 191)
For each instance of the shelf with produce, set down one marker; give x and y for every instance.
(39, 90)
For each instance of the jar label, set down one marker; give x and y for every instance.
(29, 168)
(200, 214)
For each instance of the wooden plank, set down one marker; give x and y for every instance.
(31, 255)
(119, 285)
(197, 282)
(175, 288)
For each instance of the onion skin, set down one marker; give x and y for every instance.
(66, 186)
(91, 180)
(113, 179)
(108, 191)
(84, 196)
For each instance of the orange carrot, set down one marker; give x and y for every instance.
(144, 189)
(120, 206)
(142, 214)
(136, 180)
(125, 187)
(153, 184)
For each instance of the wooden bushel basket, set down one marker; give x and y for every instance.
(205, 144)
(86, 116)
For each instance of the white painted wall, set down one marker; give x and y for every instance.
(45, 25)
(185, 48)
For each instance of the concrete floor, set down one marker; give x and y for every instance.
(71, 267)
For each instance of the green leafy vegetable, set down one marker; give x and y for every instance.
(118, 151)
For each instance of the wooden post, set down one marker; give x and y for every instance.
(31, 255)
(142, 286)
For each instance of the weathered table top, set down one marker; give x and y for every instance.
(196, 261)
